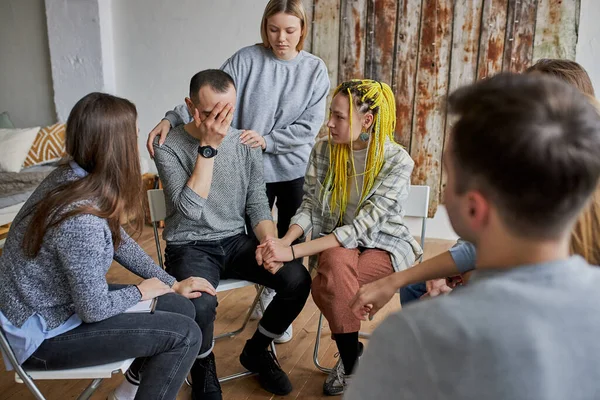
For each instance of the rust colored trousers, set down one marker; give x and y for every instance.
(340, 274)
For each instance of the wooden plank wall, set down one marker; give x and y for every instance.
(426, 48)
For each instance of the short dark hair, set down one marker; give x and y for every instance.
(532, 144)
(219, 81)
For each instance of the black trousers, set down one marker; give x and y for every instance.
(234, 258)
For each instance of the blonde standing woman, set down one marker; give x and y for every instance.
(355, 188)
(281, 101)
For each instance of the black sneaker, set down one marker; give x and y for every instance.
(270, 375)
(205, 384)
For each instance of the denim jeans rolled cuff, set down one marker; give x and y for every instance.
(267, 333)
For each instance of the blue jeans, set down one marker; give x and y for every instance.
(234, 258)
(164, 344)
(412, 292)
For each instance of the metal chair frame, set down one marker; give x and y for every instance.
(96, 373)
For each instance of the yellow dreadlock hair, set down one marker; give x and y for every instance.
(365, 95)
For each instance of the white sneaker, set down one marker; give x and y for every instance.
(266, 297)
(286, 337)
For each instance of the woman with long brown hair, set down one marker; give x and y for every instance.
(56, 308)
(585, 239)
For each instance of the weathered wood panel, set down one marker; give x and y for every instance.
(325, 40)
(491, 42)
(465, 51)
(556, 29)
(432, 86)
(308, 9)
(405, 67)
(381, 36)
(520, 29)
(427, 48)
(353, 39)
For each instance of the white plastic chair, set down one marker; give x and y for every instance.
(158, 212)
(416, 206)
(96, 373)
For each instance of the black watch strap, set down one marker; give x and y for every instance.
(207, 151)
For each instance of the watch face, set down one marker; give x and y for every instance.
(207, 152)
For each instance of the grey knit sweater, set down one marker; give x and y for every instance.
(68, 274)
(285, 101)
(237, 188)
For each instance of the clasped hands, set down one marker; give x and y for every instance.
(272, 252)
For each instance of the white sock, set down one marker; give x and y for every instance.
(126, 390)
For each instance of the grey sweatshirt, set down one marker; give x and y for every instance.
(525, 333)
(237, 188)
(282, 100)
(69, 274)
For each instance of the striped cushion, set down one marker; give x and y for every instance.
(48, 145)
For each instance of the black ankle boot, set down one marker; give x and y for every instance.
(270, 375)
(205, 383)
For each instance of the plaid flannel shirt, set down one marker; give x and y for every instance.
(378, 223)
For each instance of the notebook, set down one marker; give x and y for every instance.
(144, 306)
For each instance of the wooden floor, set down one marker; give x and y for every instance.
(294, 356)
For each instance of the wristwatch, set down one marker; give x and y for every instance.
(207, 151)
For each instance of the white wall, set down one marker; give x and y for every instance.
(25, 77)
(77, 54)
(160, 45)
(588, 43)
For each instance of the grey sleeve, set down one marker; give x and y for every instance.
(394, 366)
(178, 116)
(304, 130)
(228, 66)
(80, 242)
(131, 256)
(257, 204)
(464, 255)
(174, 178)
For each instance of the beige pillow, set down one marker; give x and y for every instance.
(49, 145)
(14, 146)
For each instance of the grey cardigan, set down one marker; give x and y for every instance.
(68, 274)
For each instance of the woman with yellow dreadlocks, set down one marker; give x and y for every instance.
(355, 187)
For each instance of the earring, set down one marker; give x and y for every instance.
(364, 136)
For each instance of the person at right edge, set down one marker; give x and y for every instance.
(522, 162)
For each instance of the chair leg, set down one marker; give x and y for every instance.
(241, 329)
(87, 393)
(257, 300)
(157, 242)
(317, 345)
(362, 335)
(30, 385)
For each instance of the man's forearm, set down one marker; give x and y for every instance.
(265, 228)
(438, 267)
(201, 178)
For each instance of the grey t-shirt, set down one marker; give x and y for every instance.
(526, 333)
